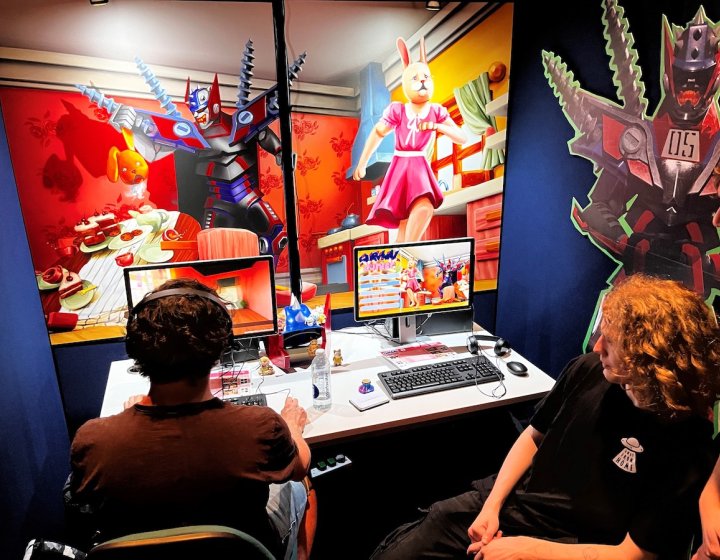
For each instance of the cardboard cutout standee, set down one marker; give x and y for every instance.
(654, 205)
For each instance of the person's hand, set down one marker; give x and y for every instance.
(294, 414)
(428, 125)
(506, 548)
(132, 401)
(359, 172)
(707, 552)
(485, 527)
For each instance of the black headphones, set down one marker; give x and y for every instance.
(502, 348)
(181, 292)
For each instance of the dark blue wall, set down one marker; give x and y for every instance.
(550, 275)
(34, 441)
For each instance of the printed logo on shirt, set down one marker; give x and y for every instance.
(627, 458)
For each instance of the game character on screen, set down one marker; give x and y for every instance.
(405, 288)
(450, 290)
(615, 456)
(409, 192)
(240, 466)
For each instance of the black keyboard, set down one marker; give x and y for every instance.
(430, 378)
(257, 399)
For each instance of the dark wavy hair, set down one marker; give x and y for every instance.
(178, 336)
(669, 344)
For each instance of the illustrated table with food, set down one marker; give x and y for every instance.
(83, 294)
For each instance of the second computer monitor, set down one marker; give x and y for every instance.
(247, 284)
(407, 279)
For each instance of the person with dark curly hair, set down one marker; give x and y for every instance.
(615, 457)
(178, 456)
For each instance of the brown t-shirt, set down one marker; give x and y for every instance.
(153, 467)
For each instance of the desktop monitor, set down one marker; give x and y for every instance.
(404, 280)
(247, 284)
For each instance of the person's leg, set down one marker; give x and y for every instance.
(308, 525)
(421, 212)
(286, 507)
(440, 533)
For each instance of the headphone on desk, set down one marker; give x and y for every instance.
(502, 347)
(132, 314)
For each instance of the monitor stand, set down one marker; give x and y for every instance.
(402, 329)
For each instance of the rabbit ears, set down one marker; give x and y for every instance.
(405, 54)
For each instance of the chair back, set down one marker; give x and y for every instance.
(199, 542)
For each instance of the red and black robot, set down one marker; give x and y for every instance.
(654, 205)
(226, 146)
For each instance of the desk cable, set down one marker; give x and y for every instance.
(233, 367)
(501, 383)
(258, 392)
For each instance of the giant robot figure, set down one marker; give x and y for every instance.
(225, 146)
(654, 205)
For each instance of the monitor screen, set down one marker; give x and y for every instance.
(404, 279)
(247, 284)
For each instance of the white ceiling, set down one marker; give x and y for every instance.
(341, 37)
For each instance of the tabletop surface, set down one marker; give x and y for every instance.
(361, 350)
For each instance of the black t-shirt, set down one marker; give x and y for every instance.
(606, 468)
(153, 467)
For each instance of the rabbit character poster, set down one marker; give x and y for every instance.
(409, 192)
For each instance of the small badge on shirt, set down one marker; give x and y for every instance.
(627, 458)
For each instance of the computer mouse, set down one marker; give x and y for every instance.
(517, 368)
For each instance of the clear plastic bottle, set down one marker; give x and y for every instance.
(320, 367)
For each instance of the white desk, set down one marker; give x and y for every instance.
(361, 357)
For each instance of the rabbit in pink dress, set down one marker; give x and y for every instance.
(409, 192)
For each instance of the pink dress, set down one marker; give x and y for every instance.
(409, 176)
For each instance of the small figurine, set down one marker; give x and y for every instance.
(313, 346)
(366, 387)
(266, 367)
(337, 357)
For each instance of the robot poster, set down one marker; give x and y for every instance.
(143, 158)
(654, 205)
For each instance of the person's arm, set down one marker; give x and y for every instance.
(529, 548)
(710, 517)
(379, 131)
(295, 417)
(516, 463)
(448, 128)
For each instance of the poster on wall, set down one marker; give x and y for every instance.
(173, 154)
(427, 160)
(101, 187)
(654, 205)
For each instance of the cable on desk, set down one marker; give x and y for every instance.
(501, 383)
(232, 367)
(418, 328)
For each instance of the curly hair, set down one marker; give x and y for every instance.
(178, 336)
(669, 344)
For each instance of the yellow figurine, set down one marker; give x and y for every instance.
(313, 346)
(337, 357)
(266, 367)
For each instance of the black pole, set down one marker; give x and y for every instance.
(283, 90)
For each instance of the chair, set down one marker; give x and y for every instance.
(196, 542)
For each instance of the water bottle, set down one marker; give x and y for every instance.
(321, 381)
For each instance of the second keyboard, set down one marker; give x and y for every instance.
(430, 378)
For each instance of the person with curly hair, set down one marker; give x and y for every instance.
(179, 456)
(615, 457)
